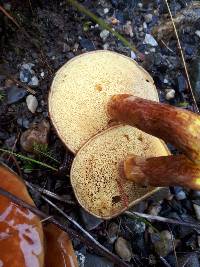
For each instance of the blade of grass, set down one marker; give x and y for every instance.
(46, 155)
(103, 25)
(28, 159)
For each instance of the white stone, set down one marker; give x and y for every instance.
(148, 18)
(197, 211)
(104, 34)
(34, 81)
(144, 25)
(170, 94)
(106, 46)
(133, 55)
(106, 10)
(165, 80)
(149, 39)
(32, 103)
(140, 5)
(197, 33)
(42, 74)
(123, 249)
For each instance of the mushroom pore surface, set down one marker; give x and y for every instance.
(82, 88)
(95, 173)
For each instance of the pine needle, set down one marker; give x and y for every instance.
(182, 56)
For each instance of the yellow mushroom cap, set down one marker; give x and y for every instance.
(95, 173)
(82, 88)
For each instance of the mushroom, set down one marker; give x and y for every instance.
(177, 126)
(21, 234)
(78, 102)
(96, 176)
(59, 250)
(82, 88)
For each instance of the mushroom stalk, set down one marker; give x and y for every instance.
(162, 171)
(174, 125)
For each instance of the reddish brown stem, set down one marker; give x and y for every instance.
(163, 171)
(174, 125)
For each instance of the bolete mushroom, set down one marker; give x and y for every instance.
(175, 125)
(59, 251)
(83, 86)
(96, 176)
(21, 234)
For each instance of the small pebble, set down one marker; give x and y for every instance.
(32, 103)
(181, 195)
(106, 10)
(136, 226)
(133, 55)
(149, 39)
(42, 74)
(144, 25)
(34, 81)
(128, 28)
(112, 232)
(106, 46)
(197, 211)
(195, 194)
(148, 18)
(170, 94)
(91, 222)
(14, 94)
(37, 134)
(123, 249)
(104, 35)
(154, 209)
(164, 245)
(197, 33)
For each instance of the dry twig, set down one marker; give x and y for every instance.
(162, 219)
(50, 194)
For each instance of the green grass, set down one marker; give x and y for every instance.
(28, 159)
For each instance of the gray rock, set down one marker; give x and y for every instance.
(128, 28)
(148, 18)
(112, 232)
(23, 122)
(34, 81)
(81, 258)
(197, 211)
(189, 260)
(14, 94)
(164, 245)
(195, 194)
(133, 55)
(26, 72)
(149, 39)
(197, 33)
(91, 222)
(104, 35)
(37, 134)
(154, 209)
(32, 103)
(181, 195)
(87, 44)
(135, 225)
(123, 249)
(169, 94)
(97, 261)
